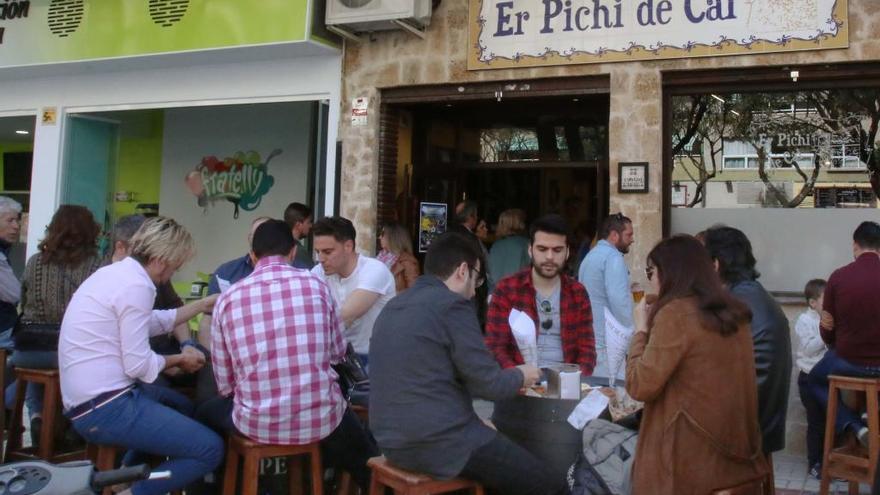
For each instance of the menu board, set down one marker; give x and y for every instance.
(844, 197)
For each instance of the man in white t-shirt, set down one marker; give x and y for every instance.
(361, 285)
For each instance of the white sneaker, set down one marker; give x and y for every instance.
(862, 435)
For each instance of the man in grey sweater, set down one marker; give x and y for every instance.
(427, 363)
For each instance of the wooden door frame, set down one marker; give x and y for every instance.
(392, 98)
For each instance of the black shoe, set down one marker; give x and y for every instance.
(816, 471)
(36, 428)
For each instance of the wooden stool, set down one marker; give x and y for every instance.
(409, 483)
(850, 462)
(104, 459)
(254, 452)
(51, 419)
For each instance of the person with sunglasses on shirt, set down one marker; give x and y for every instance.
(606, 277)
(557, 304)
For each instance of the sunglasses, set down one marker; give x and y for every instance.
(649, 272)
(548, 309)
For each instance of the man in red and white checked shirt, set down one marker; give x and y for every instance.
(274, 335)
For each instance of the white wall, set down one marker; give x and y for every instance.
(193, 133)
(209, 78)
(792, 246)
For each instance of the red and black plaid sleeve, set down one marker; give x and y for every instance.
(499, 338)
(578, 341)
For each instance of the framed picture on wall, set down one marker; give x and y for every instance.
(632, 177)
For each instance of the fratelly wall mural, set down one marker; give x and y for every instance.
(242, 179)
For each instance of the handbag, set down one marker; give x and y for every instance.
(353, 378)
(36, 335)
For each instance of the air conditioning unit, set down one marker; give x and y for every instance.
(378, 15)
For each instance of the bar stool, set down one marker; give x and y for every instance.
(104, 458)
(51, 419)
(253, 452)
(850, 462)
(409, 483)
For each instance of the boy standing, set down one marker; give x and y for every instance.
(811, 348)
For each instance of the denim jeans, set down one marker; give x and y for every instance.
(348, 447)
(815, 421)
(505, 468)
(140, 422)
(832, 364)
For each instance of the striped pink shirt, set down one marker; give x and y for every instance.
(275, 334)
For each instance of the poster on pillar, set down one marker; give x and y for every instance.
(525, 33)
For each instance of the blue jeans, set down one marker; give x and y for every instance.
(832, 364)
(815, 421)
(139, 421)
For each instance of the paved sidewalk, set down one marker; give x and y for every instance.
(792, 478)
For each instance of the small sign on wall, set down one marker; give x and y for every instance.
(49, 116)
(359, 108)
(632, 177)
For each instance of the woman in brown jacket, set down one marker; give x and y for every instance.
(691, 362)
(397, 254)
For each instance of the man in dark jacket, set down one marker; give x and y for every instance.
(732, 252)
(427, 363)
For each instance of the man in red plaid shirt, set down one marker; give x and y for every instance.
(274, 336)
(557, 304)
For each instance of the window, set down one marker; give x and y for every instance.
(794, 132)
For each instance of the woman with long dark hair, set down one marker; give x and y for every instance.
(691, 363)
(67, 256)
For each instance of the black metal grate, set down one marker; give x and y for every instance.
(65, 16)
(167, 12)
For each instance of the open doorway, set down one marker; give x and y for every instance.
(16, 160)
(543, 155)
(214, 169)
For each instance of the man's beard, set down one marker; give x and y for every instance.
(541, 269)
(623, 249)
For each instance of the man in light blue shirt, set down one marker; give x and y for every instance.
(606, 277)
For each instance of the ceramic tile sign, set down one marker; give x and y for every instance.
(632, 177)
(242, 179)
(522, 33)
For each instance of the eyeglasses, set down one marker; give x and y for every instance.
(547, 308)
(649, 272)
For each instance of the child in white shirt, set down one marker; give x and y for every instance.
(810, 350)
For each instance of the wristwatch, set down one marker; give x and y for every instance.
(195, 344)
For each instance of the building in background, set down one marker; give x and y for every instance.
(601, 106)
(213, 112)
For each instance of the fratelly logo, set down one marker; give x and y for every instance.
(242, 179)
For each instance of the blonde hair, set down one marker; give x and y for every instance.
(511, 222)
(397, 238)
(163, 239)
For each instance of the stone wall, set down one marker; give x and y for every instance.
(395, 59)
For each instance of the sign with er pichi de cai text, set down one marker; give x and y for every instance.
(522, 33)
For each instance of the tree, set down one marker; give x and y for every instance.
(784, 129)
